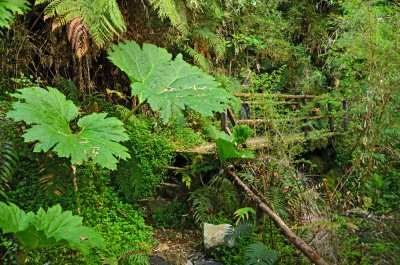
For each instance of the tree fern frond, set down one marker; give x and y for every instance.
(211, 40)
(198, 58)
(258, 253)
(175, 11)
(9, 8)
(101, 18)
(78, 35)
(8, 164)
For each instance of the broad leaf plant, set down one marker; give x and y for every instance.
(48, 228)
(169, 86)
(49, 113)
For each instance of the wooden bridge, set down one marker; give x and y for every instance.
(318, 116)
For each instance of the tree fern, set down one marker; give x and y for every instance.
(50, 113)
(8, 164)
(9, 8)
(211, 40)
(258, 253)
(101, 18)
(175, 11)
(48, 228)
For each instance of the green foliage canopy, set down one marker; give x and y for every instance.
(102, 17)
(49, 113)
(169, 86)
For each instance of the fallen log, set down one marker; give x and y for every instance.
(297, 241)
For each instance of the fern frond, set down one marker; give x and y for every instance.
(137, 259)
(277, 199)
(197, 57)
(259, 254)
(241, 229)
(9, 8)
(78, 35)
(101, 18)
(68, 88)
(8, 164)
(175, 11)
(131, 180)
(55, 174)
(212, 40)
(202, 203)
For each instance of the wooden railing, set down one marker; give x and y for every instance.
(294, 101)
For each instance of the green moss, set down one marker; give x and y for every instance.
(151, 153)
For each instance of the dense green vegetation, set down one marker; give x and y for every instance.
(109, 111)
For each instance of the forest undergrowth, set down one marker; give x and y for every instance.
(102, 103)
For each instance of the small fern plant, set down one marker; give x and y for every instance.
(8, 10)
(100, 19)
(49, 113)
(168, 86)
(258, 254)
(8, 164)
(47, 228)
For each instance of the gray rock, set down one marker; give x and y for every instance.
(157, 260)
(216, 235)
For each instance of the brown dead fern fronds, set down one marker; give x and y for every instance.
(78, 36)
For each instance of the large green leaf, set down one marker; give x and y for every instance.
(50, 114)
(227, 145)
(169, 86)
(13, 219)
(45, 229)
(227, 150)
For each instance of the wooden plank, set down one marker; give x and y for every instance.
(260, 143)
(286, 96)
(231, 117)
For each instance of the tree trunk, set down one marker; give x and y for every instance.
(297, 241)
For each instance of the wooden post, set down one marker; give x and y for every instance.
(224, 123)
(331, 119)
(346, 118)
(231, 117)
(306, 129)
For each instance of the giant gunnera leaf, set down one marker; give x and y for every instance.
(49, 113)
(48, 228)
(227, 146)
(169, 86)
